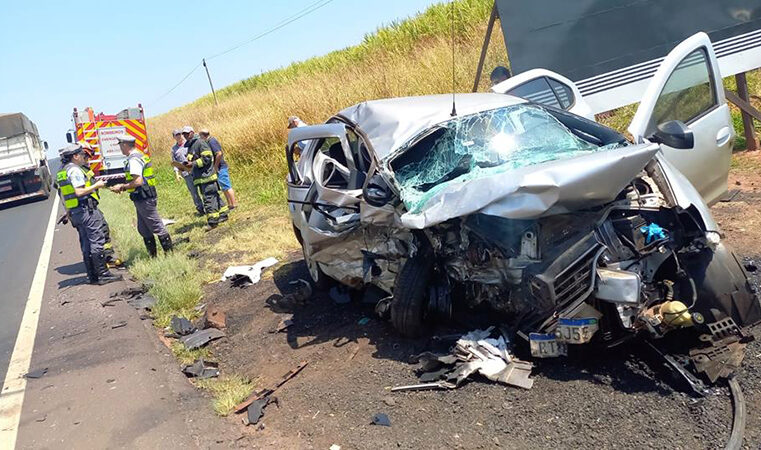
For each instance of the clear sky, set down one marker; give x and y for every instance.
(110, 55)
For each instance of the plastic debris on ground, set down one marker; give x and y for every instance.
(181, 326)
(381, 419)
(201, 369)
(474, 352)
(36, 373)
(255, 410)
(247, 275)
(168, 222)
(302, 293)
(201, 338)
(266, 392)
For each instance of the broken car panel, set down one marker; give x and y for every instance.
(564, 227)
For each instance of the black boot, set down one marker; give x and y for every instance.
(166, 242)
(104, 275)
(150, 244)
(92, 275)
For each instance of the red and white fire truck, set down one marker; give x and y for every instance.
(101, 131)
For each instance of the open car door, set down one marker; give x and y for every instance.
(688, 88)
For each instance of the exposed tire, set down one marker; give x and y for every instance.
(297, 233)
(410, 302)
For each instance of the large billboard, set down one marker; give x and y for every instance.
(611, 48)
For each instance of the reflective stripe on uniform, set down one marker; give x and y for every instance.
(70, 199)
(149, 178)
(89, 177)
(205, 180)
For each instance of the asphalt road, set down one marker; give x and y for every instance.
(22, 228)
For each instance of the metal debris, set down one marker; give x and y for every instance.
(725, 351)
(475, 352)
(381, 419)
(36, 373)
(181, 326)
(248, 274)
(121, 324)
(201, 338)
(201, 369)
(260, 394)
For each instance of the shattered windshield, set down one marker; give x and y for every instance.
(480, 145)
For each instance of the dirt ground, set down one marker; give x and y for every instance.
(611, 399)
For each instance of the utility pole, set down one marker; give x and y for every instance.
(210, 84)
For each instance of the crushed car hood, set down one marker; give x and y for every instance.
(530, 192)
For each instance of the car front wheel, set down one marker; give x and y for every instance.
(410, 302)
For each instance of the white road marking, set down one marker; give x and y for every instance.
(12, 396)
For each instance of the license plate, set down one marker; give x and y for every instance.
(576, 331)
(546, 346)
(6, 188)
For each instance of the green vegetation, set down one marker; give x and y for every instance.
(227, 391)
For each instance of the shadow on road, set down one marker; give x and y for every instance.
(71, 269)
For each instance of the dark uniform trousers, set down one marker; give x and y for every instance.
(89, 225)
(148, 220)
(216, 210)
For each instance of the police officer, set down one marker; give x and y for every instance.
(201, 160)
(108, 248)
(80, 197)
(141, 185)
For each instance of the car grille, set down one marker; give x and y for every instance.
(569, 278)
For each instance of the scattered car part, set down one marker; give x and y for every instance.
(381, 419)
(201, 337)
(143, 301)
(260, 394)
(423, 387)
(739, 416)
(255, 411)
(248, 274)
(181, 326)
(38, 373)
(201, 369)
(697, 386)
(119, 324)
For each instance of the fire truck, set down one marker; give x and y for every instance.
(102, 131)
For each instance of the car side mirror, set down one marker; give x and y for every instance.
(69, 137)
(45, 144)
(377, 193)
(675, 134)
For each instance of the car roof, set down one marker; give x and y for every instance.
(392, 122)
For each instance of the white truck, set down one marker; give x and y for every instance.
(24, 170)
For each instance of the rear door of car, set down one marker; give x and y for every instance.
(546, 88)
(688, 87)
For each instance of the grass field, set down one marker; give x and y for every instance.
(409, 57)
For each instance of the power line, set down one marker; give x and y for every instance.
(304, 12)
(176, 85)
(287, 21)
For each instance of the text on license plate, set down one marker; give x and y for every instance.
(546, 346)
(576, 331)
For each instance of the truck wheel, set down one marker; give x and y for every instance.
(409, 305)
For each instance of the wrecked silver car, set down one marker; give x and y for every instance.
(565, 229)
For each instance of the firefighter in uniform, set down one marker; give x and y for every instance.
(141, 185)
(201, 160)
(80, 197)
(108, 247)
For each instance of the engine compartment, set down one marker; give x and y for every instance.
(622, 265)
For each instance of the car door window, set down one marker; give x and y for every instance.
(564, 93)
(335, 173)
(538, 91)
(688, 92)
